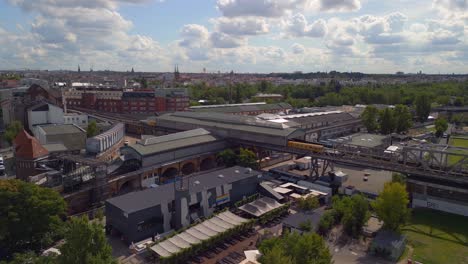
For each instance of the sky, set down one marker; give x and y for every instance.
(371, 36)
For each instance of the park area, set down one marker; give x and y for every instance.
(461, 142)
(437, 237)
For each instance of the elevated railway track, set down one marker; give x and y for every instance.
(415, 161)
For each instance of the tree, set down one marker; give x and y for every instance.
(30, 216)
(12, 131)
(356, 216)
(441, 126)
(386, 121)
(92, 129)
(391, 206)
(422, 107)
(308, 203)
(353, 212)
(369, 118)
(300, 248)
(306, 226)
(30, 258)
(326, 222)
(275, 255)
(398, 177)
(247, 158)
(403, 118)
(85, 243)
(228, 157)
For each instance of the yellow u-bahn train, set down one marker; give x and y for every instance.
(307, 146)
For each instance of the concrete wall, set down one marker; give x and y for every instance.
(441, 205)
(53, 116)
(79, 120)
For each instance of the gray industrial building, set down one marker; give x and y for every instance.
(156, 150)
(246, 128)
(71, 136)
(320, 125)
(140, 215)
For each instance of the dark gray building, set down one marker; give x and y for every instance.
(140, 215)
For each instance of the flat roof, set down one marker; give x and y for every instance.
(55, 147)
(367, 140)
(295, 220)
(135, 201)
(59, 129)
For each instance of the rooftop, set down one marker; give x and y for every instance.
(295, 220)
(237, 108)
(367, 140)
(227, 121)
(196, 234)
(55, 147)
(153, 145)
(260, 206)
(60, 129)
(28, 147)
(136, 201)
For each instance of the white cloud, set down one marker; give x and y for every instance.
(193, 35)
(241, 26)
(451, 5)
(298, 26)
(221, 40)
(297, 48)
(263, 8)
(339, 5)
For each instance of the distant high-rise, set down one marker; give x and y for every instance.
(176, 73)
(133, 71)
(79, 70)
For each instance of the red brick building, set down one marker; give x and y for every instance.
(28, 151)
(142, 102)
(117, 101)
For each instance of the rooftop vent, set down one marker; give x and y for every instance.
(248, 170)
(237, 171)
(197, 182)
(220, 176)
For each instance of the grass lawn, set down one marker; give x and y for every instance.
(438, 237)
(457, 142)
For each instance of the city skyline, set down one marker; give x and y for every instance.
(245, 36)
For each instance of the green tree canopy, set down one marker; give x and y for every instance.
(391, 206)
(276, 255)
(398, 177)
(30, 216)
(369, 118)
(92, 129)
(12, 131)
(85, 243)
(308, 248)
(247, 158)
(403, 118)
(228, 157)
(422, 106)
(308, 203)
(353, 212)
(386, 121)
(30, 258)
(441, 126)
